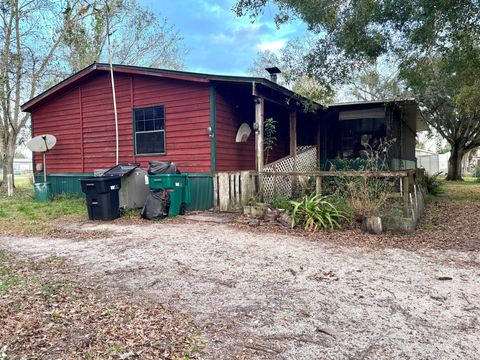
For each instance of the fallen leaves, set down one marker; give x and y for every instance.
(45, 314)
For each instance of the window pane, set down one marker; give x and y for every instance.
(149, 125)
(160, 124)
(149, 114)
(150, 143)
(158, 112)
(138, 115)
(140, 126)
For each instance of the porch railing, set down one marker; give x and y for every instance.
(233, 190)
(304, 160)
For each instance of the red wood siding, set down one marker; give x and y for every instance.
(62, 119)
(230, 154)
(232, 111)
(82, 119)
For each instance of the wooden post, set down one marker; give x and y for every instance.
(405, 192)
(293, 133)
(259, 141)
(317, 138)
(259, 133)
(318, 185)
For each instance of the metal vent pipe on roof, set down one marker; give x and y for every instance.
(273, 71)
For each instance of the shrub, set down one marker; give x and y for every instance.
(280, 202)
(367, 196)
(315, 212)
(433, 184)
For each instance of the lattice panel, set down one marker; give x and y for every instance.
(306, 160)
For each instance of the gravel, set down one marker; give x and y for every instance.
(260, 295)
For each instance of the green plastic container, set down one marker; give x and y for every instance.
(179, 187)
(43, 192)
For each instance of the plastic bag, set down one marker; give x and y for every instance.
(157, 205)
(162, 167)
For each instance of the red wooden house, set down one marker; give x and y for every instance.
(191, 119)
(188, 118)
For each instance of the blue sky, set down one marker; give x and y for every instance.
(218, 41)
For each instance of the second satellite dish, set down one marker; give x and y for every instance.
(243, 133)
(42, 143)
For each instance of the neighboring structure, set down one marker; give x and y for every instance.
(347, 126)
(22, 166)
(204, 123)
(428, 160)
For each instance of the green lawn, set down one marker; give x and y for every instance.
(21, 181)
(20, 214)
(469, 189)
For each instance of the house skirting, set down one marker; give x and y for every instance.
(69, 184)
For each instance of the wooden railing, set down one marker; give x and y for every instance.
(233, 190)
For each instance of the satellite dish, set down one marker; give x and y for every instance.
(42, 143)
(243, 133)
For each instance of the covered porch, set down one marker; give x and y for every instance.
(249, 106)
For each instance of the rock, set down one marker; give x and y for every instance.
(257, 210)
(285, 220)
(372, 225)
(272, 215)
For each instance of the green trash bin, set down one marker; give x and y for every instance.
(43, 192)
(178, 185)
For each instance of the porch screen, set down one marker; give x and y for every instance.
(149, 126)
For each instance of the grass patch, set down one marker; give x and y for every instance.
(468, 189)
(20, 214)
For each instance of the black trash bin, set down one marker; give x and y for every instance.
(102, 197)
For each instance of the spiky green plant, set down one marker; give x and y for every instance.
(315, 212)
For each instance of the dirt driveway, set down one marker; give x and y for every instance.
(281, 296)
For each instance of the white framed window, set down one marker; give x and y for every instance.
(149, 130)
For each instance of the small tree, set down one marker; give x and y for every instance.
(270, 139)
(26, 59)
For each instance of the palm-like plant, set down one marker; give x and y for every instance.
(315, 212)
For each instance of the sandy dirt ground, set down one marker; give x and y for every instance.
(257, 295)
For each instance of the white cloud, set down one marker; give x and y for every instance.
(222, 38)
(272, 45)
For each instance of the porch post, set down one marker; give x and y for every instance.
(259, 133)
(318, 140)
(259, 143)
(293, 138)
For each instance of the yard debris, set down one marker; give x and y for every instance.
(46, 314)
(444, 278)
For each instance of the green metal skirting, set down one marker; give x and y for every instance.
(201, 191)
(68, 184)
(201, 187)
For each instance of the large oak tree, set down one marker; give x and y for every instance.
(421, 34)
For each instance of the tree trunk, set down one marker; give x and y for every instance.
(7, 165)
(455, 163)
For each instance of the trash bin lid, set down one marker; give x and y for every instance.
(121, 169)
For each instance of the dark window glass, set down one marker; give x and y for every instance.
(149, 130)
(158, 113)
(138, 115)
(140, 126)
(149, 125)
(149, 114)
(150, 142)
(158, 125)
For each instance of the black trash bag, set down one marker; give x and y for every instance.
(157, 205)
(162, 167)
